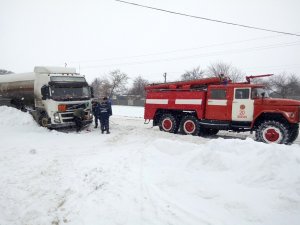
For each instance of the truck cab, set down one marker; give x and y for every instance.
(58, 93)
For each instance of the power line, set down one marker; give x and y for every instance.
(208, 19)
(217, 53)
(176, 50)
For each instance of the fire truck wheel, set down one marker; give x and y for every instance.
(168, 123)
(294, 132)
(189, 125)
(272, 132)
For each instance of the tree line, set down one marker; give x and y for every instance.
(283, 85)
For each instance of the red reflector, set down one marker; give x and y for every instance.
(62, 108)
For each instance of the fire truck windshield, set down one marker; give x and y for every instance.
(70, 93)
(259, 92)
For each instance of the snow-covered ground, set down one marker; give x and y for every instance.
(138, 175)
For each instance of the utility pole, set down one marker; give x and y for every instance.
(165, 76)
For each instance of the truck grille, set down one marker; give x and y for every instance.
(69, 117)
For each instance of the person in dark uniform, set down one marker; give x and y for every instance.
(79, 116)
(96, 112)
(105, 113)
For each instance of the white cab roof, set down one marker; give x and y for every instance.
(50, 69)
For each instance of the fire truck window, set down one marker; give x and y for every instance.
(218, 94)
(242, 94)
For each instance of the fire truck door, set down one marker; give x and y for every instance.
(242, 105)
(217, 104)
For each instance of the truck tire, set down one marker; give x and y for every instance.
(272, 131)
(43, 120)
(168, 123)
(189, 125)
(294, 132)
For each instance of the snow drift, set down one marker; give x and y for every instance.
(139, 175)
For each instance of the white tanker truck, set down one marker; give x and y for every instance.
(50, 94)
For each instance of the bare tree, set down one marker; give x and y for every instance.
(284, 85)
(216, 69)
(194, 74)
(118, 81)
(138, 87)
(2, 72)
(115, 82)
(101, 87)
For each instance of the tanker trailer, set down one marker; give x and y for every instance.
(50, 94)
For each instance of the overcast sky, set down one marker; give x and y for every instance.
(99, 36)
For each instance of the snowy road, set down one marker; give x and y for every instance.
(138, 175)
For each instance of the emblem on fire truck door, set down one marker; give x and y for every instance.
(242, 112)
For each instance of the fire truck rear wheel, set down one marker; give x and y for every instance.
(189, 125)
(272, 132)
(168, 123)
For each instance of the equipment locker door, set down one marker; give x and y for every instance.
(217, 104)
(242, 105)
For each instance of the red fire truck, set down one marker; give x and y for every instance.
(205, 106)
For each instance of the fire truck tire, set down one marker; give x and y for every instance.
(272, 132)
(294, 132)
(168, 123)
(189, 125)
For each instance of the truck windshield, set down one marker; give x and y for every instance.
(70, 93)
(258, 93)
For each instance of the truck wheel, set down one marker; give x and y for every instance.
(272, 132)
(294, 132)
(168, 123)
(43, 120)
(189, 125)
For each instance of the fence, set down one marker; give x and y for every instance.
(130, 102)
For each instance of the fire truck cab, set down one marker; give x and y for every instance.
(203, 107)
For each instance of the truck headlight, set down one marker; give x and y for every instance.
(56, 117)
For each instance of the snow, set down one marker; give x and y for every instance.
(140, 175)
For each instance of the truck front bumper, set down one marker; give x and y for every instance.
(68, 124)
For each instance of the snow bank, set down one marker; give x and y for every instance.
(140, 175)
(11, 117)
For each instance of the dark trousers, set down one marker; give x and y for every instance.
(104, 121)
(78, 123)
(96, 120)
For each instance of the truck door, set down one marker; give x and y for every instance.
(216, 107)
(242, 105)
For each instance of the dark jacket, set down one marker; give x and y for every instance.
(96, 109)
(79, 113)
(105, 109)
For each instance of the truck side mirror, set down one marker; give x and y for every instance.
(45, 92)
(92, 92)
(263, 94)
